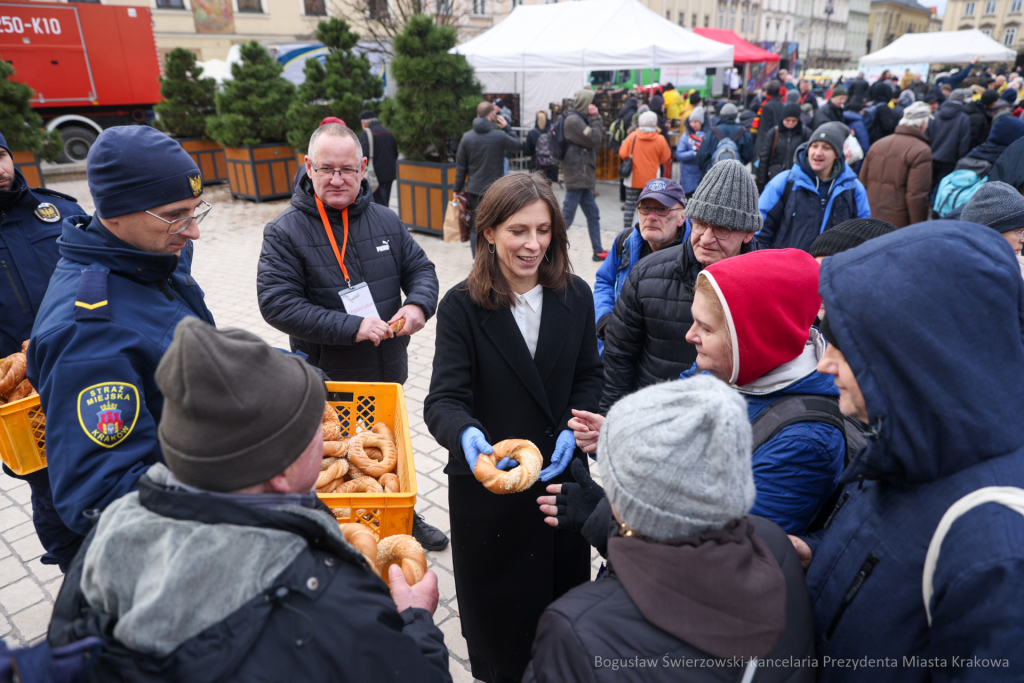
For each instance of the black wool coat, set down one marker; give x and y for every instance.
(298, 281)
(509, 565)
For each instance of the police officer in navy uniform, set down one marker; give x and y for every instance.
(119, 290)
(30, 221)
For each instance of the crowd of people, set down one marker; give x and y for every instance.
(794, 401)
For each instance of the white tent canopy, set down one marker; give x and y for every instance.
(589, 36)
(941, 47)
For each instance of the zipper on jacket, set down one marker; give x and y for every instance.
(10, 278)
(851, 592)
(835, 510)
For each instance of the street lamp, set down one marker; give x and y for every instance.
(829, 9)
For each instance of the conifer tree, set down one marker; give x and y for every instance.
(251, 107)
(188, 97)
(437, 92)
(341, 86)
(21, 125)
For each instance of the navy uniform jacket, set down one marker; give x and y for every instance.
(104, 324)
(28, 255)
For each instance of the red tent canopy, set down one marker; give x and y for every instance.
(743, 52)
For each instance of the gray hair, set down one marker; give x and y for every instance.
(333, 130)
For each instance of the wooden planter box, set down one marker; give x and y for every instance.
(28, 164)
(424, 191)
(209, 157)
(261, 173)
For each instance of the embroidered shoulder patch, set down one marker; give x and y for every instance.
(108, 412)
(47, 213)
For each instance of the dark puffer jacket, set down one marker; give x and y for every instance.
(299, 278)
(950, 133)
(645, 342)
(481, 154)
(980, 120)
(778, 151)
(200, 587)
(1009, 168)
(597, 632)
(385, 152)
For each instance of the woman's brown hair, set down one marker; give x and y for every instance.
(487, 285)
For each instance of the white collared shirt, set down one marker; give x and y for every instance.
(527, 314)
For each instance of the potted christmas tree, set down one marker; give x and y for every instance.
(23, 128)
(188, 100)
(252, 126)
(436, 101)
(339, 87)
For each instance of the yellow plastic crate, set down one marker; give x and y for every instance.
(23, 435)
(360, 406)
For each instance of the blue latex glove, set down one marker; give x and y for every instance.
(562, 456)
(473, 444)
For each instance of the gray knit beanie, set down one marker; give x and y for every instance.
(834, 133)
(697, 115)
(236, 411)
(960, 95)
(997, 205)
(728, 111)
(675, 458)
(726, 197)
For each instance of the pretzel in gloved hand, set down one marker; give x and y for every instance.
(514, 480)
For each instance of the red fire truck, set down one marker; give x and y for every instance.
(91, 66)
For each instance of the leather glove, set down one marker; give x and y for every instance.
(564, 447)
(473, 444)
(577, 501)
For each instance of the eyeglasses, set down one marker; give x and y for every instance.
(326, 172)
(660, 211)
(719, 233)
(1019, 234)
(181, 224)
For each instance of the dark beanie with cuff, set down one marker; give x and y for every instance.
(727, 198)
(236, 411)
(997, 205)
(137, 168)
(849, 234)
(3, 143)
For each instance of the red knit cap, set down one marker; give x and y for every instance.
(331, 119)
(770, 299)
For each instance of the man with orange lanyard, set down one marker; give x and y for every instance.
(333, 271)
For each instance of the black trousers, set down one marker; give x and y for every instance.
(383, 194)
(60, 542)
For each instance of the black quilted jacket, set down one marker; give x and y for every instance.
(299, 278)
(645, 341)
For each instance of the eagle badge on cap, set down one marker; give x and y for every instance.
(196, 181)
(47, 213)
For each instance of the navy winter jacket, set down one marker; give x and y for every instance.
(105, 322)
(728, 128)
(944, 404)
(950, 133)
(1009, 168)
(28, 255)
(807, 213)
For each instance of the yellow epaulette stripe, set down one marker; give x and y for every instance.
(90, 307)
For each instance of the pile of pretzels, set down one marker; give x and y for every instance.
(404, 551)
(363, 463)
(13, 385)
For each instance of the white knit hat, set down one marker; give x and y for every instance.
(675, 458)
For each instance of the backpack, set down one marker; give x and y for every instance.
(546, 150)
(726, 148)
(958, 187)
(558, 135)
(808, 408)
(617, 131)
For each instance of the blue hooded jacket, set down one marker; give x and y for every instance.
(797, 470)
(938, 356)
(807, 213)
(107, 318)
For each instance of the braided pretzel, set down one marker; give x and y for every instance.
(358, 456)
(406, 552)
(390, 483)
(12, 372)
(336, 449)
(514, 480)
(363, 540)
(23, 390)
(360, 485)
(331, 423)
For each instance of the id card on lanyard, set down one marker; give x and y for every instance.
(356, 300)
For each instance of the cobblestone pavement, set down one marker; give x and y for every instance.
(225, 267)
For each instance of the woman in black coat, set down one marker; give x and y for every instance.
(779, 145)
(509, 565)
(542, 127)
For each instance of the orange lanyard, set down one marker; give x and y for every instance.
(330, 235)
